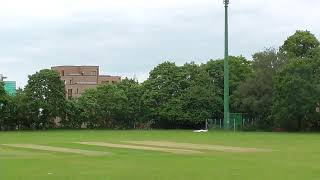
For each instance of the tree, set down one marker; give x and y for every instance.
(133, 92)
(104, 107)
(2, 90)
(297, 84)
(254, 95)
(45, 93)
(160, 91)
(89, 109)
(300, 44)
(114, 106)
(180, 96)
(8, 118)
(296, 96)
(3, 105)
(199, 100)
(240, 70)
(74, 115)
(20, 113)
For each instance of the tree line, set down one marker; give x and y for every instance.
(278, 87)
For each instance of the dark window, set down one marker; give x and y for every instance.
(69, 93)
(62, 73)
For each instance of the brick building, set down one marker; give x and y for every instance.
(80, 78)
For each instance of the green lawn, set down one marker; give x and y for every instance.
(297, 156)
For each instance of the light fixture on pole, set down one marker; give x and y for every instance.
(2, 78)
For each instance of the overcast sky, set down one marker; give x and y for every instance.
(130, 37)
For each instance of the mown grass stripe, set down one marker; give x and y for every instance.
(58, 149)
(198, 146)
(125, 146)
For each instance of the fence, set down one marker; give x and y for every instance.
(237, 121)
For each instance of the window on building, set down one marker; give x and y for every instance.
(93, 73)
(77, 91)
(62, 73)
(113, 82)
(69, 93)
(70, 81)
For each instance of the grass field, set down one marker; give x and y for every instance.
(293, 156)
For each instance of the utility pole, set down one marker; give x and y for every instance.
(226, 121)
(2, 78)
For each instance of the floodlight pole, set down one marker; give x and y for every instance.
(226, 121)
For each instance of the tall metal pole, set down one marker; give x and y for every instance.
(226, 122)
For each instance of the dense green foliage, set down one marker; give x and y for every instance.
(37, 107)
(255, 95)
(4, 107)
(179, 97)
(278, 90)
(300, 45)
(297, 92)
(45, 94)
(240, 70)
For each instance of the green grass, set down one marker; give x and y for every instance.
(298, 157)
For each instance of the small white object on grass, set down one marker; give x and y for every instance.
(200, 131)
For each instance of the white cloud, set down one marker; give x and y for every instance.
(127, 37)
(60, 8)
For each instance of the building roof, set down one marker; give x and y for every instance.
(74, 66)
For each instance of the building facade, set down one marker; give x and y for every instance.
(9, 86)
(78, 79)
